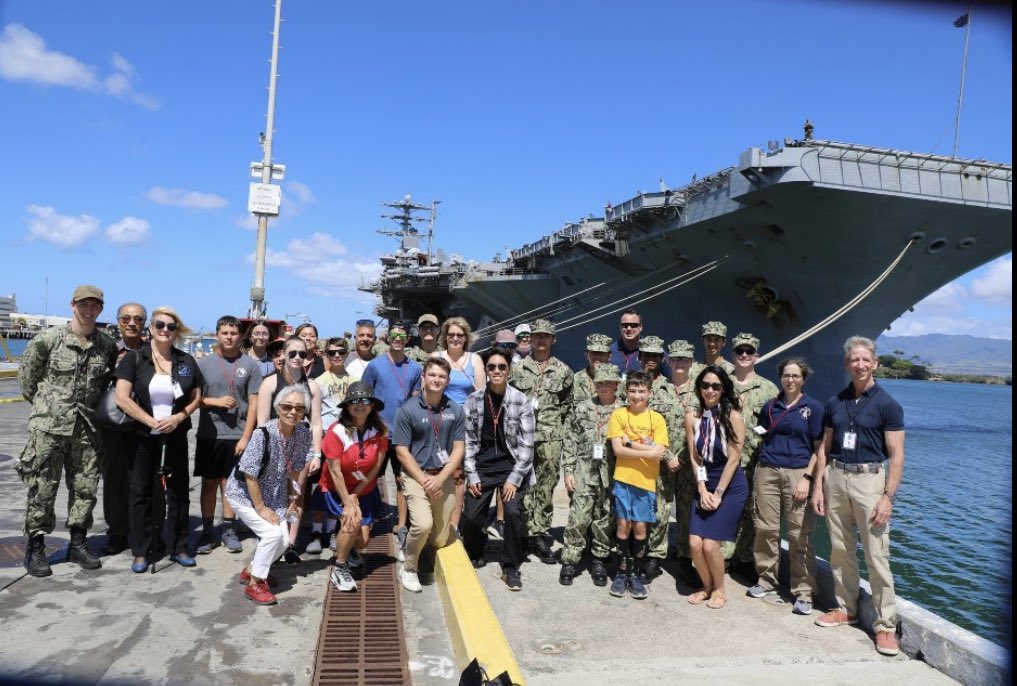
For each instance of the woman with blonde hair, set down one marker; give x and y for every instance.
(468, 373)
(159, 386)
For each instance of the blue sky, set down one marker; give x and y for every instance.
(129, 127)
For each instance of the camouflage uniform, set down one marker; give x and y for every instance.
(418, 355)
(663, 397)
(63, 375)
(583, 387)
(712, 329)
(752, 395)
(591, 500)
(550, 385)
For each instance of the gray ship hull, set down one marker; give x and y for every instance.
(783, 240)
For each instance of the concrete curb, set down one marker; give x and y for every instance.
(472, 625)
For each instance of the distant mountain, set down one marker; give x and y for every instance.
(953, 354)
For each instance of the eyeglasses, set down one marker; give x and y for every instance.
(360, 401)
(497, 367)
(397, 337)
(302, 354)
(707, 386)
(455, 335)
(629, 325)
(287, 408)
(745, 351)
(259, 334)
(336, 353)
(169, 326)
(506, 345)
(523, 337)
(792, 377)
(127, 319)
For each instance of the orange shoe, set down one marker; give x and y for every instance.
(886, 643)
(260, 594)
(835, 618)
(245, 577)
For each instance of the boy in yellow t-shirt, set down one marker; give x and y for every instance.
(638, 437)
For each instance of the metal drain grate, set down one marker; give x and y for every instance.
(361, 640)
(12, 550)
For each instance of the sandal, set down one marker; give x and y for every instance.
(699, 597)
(717, 600)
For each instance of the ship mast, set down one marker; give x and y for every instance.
(264, 197)
(404, 216)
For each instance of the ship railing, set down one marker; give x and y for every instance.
(904, 158)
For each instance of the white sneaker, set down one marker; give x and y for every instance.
(410, 581)
(342, 579)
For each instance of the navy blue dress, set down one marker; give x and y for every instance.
(720, 524)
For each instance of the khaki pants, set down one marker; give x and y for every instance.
(430, 519)
(772, 492)
(850, 499)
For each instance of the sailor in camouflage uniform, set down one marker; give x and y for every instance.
(663, 397)
(714, 337)
(63, 373)
(427, 332)
(598, 350)
(547, 382)
(683, 484)
(753, 392)
(588, 471)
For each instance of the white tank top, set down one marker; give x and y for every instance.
(160, 391)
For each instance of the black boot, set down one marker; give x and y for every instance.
(78, 552)
(35, 557)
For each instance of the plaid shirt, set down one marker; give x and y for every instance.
(519, 427)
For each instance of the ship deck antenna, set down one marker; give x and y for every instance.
(264, 198)
(965, 22)
(430, 230)
(405, 218)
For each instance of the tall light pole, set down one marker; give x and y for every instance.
(264, 198)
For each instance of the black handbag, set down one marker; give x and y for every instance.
(108, 415)
(241, 476)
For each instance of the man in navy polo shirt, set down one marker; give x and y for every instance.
(858, 472)
(430, 440)
(395, 378)
(625, 351)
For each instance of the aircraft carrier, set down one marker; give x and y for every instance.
(806, 243)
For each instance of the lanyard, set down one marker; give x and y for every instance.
(628, 358)
(541, 370)
(600, 424)
(397, 373)
(229, 374)
(288, 447)
(787, 409)
(495, 416)
(436, 425)
(858, 408)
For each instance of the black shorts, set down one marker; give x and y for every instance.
(390, 458)
(214, 458)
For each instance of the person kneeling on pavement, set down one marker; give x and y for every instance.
(268, 495)
(353, 448)
(499, 455)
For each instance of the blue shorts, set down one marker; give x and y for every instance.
(633, 503)
(370, 506)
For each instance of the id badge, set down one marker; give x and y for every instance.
(759, 430)
(850, 439)
(701, 473)
(177, 391)
(598, 452)
(359, 476)
(443, 457)
(535, 404)
(647, 441)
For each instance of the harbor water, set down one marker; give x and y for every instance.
(951, 532)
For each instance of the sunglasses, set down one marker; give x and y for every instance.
(302, 354)
(707, 386)
(336, 353)
(497, 367)
(397, 337)
(745, 351)
(630, 326)
(287, 408)
(506, 345)
(169, 326)
(360, 401)
(523, 336)
(127, 319)
(455, 335)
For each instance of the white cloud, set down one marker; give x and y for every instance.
(25, 57)
(128, 231)
(60, 230)
(179, 197)
(319, 260)
(946, 299)
(997, 283)
(303, 195)
(917, 324)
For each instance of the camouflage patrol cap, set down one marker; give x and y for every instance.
(651, 344)
(745, 339)
(606, 372)
(542, 326)
(598, 343)
(680, 348)
(427, 319)
(714, 329)
(86, 291)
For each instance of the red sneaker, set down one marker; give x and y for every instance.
(886, 643)
(835, 618)
(245, 577)
(260, 594)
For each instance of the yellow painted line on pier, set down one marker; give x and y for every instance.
(472, 625)
(8, 373)
(4, 401)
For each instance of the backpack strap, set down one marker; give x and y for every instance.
(265, 452)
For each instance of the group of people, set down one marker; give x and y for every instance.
(289, 423)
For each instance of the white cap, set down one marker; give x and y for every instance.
(522, 328)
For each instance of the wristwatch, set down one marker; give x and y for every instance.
(807, 477)
(628, 444)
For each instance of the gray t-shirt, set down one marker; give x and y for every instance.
(424, 431)
(240, 377)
